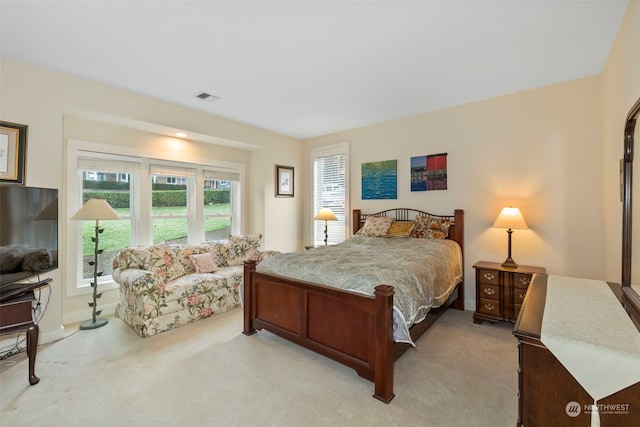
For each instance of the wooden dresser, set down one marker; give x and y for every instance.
(548, 394)
(500, 291)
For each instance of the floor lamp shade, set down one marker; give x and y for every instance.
(510, 218)
(326, 214)
(95, 210)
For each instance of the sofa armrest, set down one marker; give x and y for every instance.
(139, 281)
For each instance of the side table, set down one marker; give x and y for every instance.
(500, 291)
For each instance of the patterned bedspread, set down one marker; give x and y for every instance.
(423, 272)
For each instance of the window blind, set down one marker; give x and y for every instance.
(126, 165)
(221, 175)
(171, 170)
(330, 191)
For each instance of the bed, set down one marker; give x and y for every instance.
(352, 326)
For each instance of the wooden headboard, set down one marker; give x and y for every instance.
(456, 232)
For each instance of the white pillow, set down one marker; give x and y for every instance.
(376, 226)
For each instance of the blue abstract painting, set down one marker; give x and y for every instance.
(380, 180)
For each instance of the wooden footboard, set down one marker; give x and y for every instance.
(355, 330)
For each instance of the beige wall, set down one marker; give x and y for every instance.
(620, 89)
(538, 150)
(57, 107)
(552, 151)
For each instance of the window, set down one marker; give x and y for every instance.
(99, 177)
(158, 200)
(331, 190)
(220, 190)
(172, 202)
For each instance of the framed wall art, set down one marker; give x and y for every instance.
(13, 150)
(380, 180)
(429, 172)
(284, 181)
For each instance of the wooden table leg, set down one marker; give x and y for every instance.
(32, 348)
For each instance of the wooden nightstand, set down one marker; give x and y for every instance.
(500, 291)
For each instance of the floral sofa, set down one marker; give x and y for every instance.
(165, 286)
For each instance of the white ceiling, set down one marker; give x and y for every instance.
(309, 68)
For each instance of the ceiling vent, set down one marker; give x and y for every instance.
(207, 97)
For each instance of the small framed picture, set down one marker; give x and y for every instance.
(284, 181)
(13, 149)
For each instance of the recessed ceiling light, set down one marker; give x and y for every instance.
(181, 135)
(207, 97)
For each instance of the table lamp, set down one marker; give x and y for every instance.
(510, 218)
(95, 209)
(325, 215)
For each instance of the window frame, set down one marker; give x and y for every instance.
(326, 151)
(140, 211)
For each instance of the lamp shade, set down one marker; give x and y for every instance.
(96, 209)
(510, 217)
(326, 214)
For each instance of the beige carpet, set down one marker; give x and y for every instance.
(209, 374)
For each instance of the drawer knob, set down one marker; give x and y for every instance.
(488, 291)
(489, 307)
(489, 276)
(522, 294)
(525, 280)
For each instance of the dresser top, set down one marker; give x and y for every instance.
(529, 323)
(525, 269)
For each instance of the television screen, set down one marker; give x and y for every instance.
(28, 232)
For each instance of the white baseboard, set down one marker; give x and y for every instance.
(51, 336)
(86, 314)
(10, 340)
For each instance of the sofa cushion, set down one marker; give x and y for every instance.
(183, 254)
(219, 251)
(163, 261)
(132, 257)
(195, 284)
(244, 247)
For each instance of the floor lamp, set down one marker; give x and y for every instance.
(95, 209)
(325, 215)
(510, 218)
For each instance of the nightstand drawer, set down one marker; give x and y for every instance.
(489, 276)
(521, 280)
(488, 291)
(518, 295)
(489, 306)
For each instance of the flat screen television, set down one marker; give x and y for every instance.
(28, 233)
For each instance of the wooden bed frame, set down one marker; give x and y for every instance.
(353, 329)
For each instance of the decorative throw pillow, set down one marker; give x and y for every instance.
(204, 263)
(376, 226)
(400, 229)
(218, 250)
(183, 254)
(244, 247)
(138, 257)
(163, 262)
(427, 227)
